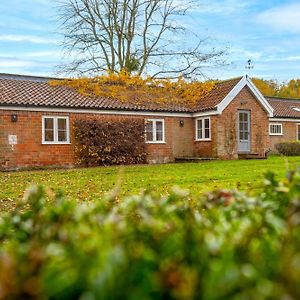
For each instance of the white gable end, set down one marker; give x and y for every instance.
(245, 81)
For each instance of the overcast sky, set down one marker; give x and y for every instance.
(268, 32)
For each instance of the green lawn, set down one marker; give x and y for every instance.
(90, 184)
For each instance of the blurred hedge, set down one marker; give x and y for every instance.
(225, 245)
(105, 142)
(288, 148)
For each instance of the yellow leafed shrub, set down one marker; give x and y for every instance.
(135, 89)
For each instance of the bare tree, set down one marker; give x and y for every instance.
(140, 36)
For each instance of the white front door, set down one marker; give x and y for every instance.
(244, 137)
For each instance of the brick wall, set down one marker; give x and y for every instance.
(226, 137)
(30, 152)
(207, 148)
(289, 130)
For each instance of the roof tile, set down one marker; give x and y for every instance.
(285, 108)
(221, 90)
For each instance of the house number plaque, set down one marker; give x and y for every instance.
(12, 140)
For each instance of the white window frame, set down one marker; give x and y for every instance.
(203, 129)
(154, 141)
(276, 124)
(55, 124)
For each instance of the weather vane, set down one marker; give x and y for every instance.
(249, 66)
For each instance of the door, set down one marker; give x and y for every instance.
(244, 137)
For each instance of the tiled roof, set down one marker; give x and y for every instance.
(221, 90)
(285, 108)
(36, 92)
(32, 93)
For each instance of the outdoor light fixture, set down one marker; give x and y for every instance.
(14, 118)
(181, 123)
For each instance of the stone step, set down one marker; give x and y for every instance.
(194, 159)
(250, 156)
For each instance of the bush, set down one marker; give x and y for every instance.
(103, 142)
(288, 148)
(225, 245)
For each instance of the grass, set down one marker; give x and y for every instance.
(90, 184)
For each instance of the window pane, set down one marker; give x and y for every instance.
(159, 126)
(49, 129)
(241, 117)
(159, 136)
(49, 135)
(199, 131)
(273, 129)
(206, 122)
(149, 131)
(62, 135)
(62, 130)
(207, 133)
(159, 131)
(62, 124)
(49, 122)
(241, 126)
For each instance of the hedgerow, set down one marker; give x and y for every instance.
(225, 245)
(105, 142)
(288, 148)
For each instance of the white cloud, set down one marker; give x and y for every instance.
(239, 53)
(15, 63)
(44, 54)
(282, 18)
(293, 58)
(224, 7)
(26, 39)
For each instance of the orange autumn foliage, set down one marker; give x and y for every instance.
(268, 88)
(135, 89)
(273, 88)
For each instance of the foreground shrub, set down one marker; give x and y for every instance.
(224, 246)
(288, 148)
(107, 142)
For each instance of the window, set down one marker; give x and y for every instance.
(298, 132)
(155, 131)
(275, 129)
(203, 129)
(55, 130)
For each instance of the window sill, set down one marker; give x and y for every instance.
(56, 143)
(157, 143)
(276, 134)
(203, 140)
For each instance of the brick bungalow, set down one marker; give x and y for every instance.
(235, 119)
